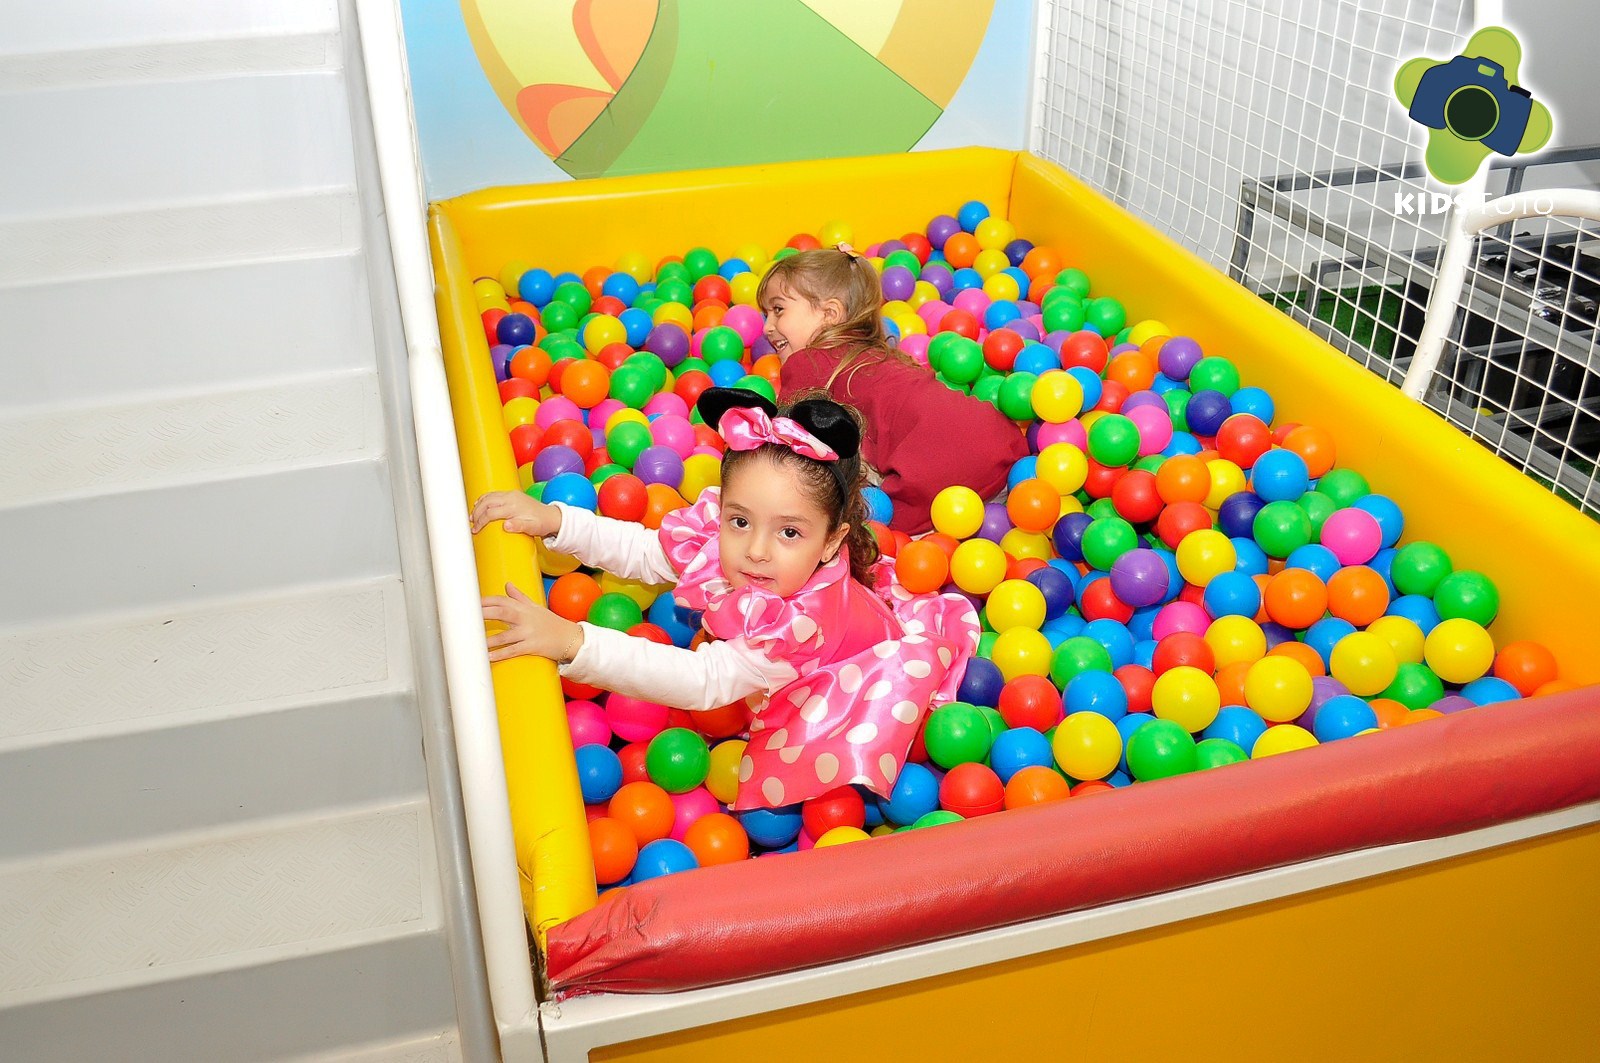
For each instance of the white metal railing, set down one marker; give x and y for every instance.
(466, 658)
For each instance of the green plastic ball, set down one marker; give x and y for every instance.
(1075, 281)
(1214, 373)
(1113, 440)
(1467, 595)
(651, 365)
(675, 291)
(616, 611)
(1064, 315)
(605, 472)
(574, 295)
(692, 365)
(1419, 568)
(1105, 315)
(1016, 396)
(1102, 509)
(1177, 401)
(986, 643)
(721, 344)
(1161, 749)
(905, 260)
(1344, 486)
(672, 271)
(956, 733)
(1106, 540)
(939, 346)
(701, 262)
(559, 316)
(1281, 528)
(997, 723)
(630, 385)
(1075, 656)
(1415, 686)
(627, 441)
(758, 384)
(962, 361)
(677, 760)
(1217, 753)
(1319, 508)
(988, 389)
(935, 818)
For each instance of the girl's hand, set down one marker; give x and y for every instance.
(521, 513)
(531, 630)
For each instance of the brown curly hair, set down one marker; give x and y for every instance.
(833, 486)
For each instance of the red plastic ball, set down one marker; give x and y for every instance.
(646, 630)
(1101, 479)
(972, 789)
(1243, 438)
(632, 757)
(613, 354)
(1085, 349)
(608, 305)
(517, 388)
(525, 442)
(839, 807)
(804, 242)
(1001, 347)
(1183, 649)
(961, 323)
(1099, 602)
(1030, 701)
(1181, 518)
(1091, 786)
(1137, 682)
(713, 286)
(595, 459)
(1112, 396)
(574, 435)
(689, 385)
(623, 497)
(918, 245)
(1135, 496)
(706, 436)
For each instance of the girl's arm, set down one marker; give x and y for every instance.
(621, 548)
(716, 674)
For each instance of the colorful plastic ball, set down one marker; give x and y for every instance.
(1035, 786)
(1087, 745)
(841, 836)
(1467, 595)
(1353, 535)
(1188, 696)
(915, 794)
(1238, 725)
(771, 828)
(615, 610)
(717, 838)
(677, 760)
(1014, 603)
(1403, 636)
(1459, 650)
(1281, 528)
(1217, 753)
(1278, 689)
(1419, 568)
(1526, 665)
(1033, 505)
(1161, 749)
(1107, 539)
(1204, 555)
(1357, 594)
(1096, 691)
(1028, 701)
(622, 497)
(957, 511)
(1363, 662)
(1236, 640)
(1284, 738)
(841, 806)
(956, 733)
(1232, 594)
(1295, 598)
(1489, 690)
(1018, 748)
(1114, 440)
(572, 489)
(645, 809)
(978, 566)
(1140, 578)
(599, 773)
(1136, 498)
(661, 857)
(614, 849)
(1279, 476)
(634, 719)
(722, 776)
(1020, 652)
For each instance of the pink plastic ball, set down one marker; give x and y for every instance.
(932, 312)
(670, 430)
(603, 410)
(1066, 432)
(587, 722)
(1353, 535)
(708, 451)
(916, 348)
(666, 403)
(1180, 616)
(1155, 428)
(973, 300)
(745, 320)
(686, 808)
(557, 408)
(806, 841)
(634, 719)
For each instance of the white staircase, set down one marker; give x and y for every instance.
(229, 819)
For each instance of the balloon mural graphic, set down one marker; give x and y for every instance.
(635, 86)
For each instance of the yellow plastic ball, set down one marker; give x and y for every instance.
(644, 594)
(1062, 465)
(1057, 398)
(1090, 417)
(1148, 329)
(519, 411)
(743, 288)
(836, 232)
(1087, 745)
(1204, 555)
(751, 255)
(723, 777)
(1403, 636)
(554, 564)
(624, 415)
(700, 471)
(911, 325)
(511, 276)
(988, 263)
(978, 566)
(882, 830)
(1021, 651)
(1015, 603)
(1236, 638)
(1002, 286)
(994, 234)
(923, 292)
(1363, 662)
(842, 836)
(957, 511)
(636, 266)
(488, 288)
(1284, 738)
(1187, 696)
(1070, 504)
(1020, 543)
(601, 332)
(1459, 650)
(674, 314)
(525, 475)
(1226, 479)
(1277, 688)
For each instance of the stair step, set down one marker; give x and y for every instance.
(178, 237)
(441, 1047)
(170, 61)
(87, 922)
(55, 454)
(126, 137)
(215, 327)
(69, 25)
(82, 559)
(207, 661)
(292, 1008)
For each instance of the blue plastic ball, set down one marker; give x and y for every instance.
(1018, 748)
(915, 794)
(1383, 564)
(1315, 559)
(1114, 637)
(1090, 381)
(1255, 402)
(1127, 725)
(515, 329)
(1068, 535)
(880, 507)
(1489, 690)
(981, 684)
(1097, 692)
(536, 286)
(1232, 594)
(1237, 515)
(620, 286)
(1417, 608)
(771, 828)
(1249, 558)
(1325, 634)
(572, 488)
(678, 621)
(1279, 475)
(966, 278)
(663, 857)
(1017, 250)
(1238, 725)
(1000, 313)
(732, 268)
(638, 323)
(1206, 411)
(599, 772)
(1387, 513)
(1022, 469)
(1036, 358)
(1056, 586)
(1182, 443)
(971, 213)
(1341, 716)
(1062, 628)
(726, 374)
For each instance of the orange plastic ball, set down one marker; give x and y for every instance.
(947, 543)
(708, 315)
(659, 501)
(614, 849)
(595, 279)
(532, 365)
(1309, 658)
(1390, 713)
(769, 368)
(585, 382)
(922, 566)
(1134, 370)
(1183, 478)
(961, 250)
(1230, 682)
(1034, 505)
(1035, 785)
(572, 595)
(1314, 445)
(644, 808)
(1295, 598)
(1555, 686)
(1043, 262)
(1357, 594)
(1525, 665)
(717, 839)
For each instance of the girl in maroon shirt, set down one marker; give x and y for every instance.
(824, 321)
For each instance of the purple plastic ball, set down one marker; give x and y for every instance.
(889, 247)
(1143, 398)
(669, 343)
(1026, 329)
(1452, 703)
(659, 465)
(1178, 356)
(941, 277)
(898, 283)
(554, 460)
(500, 355)
(1323, 687)
(941, 229)
(996, 522)
(1017, 250)
(1139, 578)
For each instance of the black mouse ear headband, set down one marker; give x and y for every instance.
(819, 429)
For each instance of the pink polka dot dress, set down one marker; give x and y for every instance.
(871, 663)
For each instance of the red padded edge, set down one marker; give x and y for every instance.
(760, 917)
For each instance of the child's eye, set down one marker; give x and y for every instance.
(739, 523)
(790, 533)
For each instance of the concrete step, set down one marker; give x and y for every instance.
(92, 25)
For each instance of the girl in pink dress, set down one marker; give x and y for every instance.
(837, 662)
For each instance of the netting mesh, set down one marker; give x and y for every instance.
(1266, 138)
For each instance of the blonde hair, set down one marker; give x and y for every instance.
(841, 275)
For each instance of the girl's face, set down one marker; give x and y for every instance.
(794, 321)
(773, 535)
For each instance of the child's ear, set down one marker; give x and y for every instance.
(835, 541)
(832, 312)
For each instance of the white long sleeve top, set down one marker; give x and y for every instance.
(716, 674)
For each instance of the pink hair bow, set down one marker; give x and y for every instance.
(747, 427)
